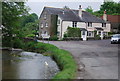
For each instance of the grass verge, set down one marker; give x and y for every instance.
(63, 58)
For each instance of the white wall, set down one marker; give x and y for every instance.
(107, 28)
(65, 25)
(81, 24)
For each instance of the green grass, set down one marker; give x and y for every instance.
(63, 58)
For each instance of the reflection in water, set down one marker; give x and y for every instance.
(27, 65)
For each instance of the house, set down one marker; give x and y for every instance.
(55, 21)
(115, 22)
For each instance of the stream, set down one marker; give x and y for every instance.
(27, 65)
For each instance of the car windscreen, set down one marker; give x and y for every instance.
(117, 36)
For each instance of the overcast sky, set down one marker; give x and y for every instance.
(38, 5)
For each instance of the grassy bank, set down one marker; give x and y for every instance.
(63, 58)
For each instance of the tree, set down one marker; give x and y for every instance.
(112, 8)
(11, 13)
(28, 18)
(30, 29)
(89, 9)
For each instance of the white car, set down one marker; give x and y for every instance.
(115, 39)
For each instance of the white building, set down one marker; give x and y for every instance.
(55, 21)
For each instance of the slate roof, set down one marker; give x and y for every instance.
(72, 15)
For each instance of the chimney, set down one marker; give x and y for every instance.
(80, 11)
(63, 12)
(105, 16)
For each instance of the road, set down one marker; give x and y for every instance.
(97, 59)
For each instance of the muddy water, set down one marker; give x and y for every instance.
(27, 65)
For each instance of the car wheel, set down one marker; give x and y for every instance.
(111, 42)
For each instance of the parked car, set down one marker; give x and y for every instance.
(115, 39)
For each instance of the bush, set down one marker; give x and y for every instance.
(110, 33)
(53, 38)
(97, 37)
(72, 32)
(31, 35)
(17, 43)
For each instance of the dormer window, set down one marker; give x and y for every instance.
(103, 24)
(89, 24)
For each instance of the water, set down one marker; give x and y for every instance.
(27, 65)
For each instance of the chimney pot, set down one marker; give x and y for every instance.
(80, 7)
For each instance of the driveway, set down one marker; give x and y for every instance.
(97, 59)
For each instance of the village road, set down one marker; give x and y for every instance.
(98, 59)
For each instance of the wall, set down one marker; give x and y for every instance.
(43, 20)
(65, 25)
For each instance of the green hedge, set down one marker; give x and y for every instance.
(63, 58)
(72, 32)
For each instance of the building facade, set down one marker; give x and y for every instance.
(55, 21)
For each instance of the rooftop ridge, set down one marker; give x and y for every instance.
(59, 8)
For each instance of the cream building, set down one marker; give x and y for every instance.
(59, 19)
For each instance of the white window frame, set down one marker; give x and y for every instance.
(74, 24)
(45, 16)
(41, 25)
(89, 24)
(46, 24)
(103, 24)
(90, 33)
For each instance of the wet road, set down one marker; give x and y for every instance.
(27, 65)
(97, 58)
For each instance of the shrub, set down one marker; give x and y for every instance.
(17, 43)
(53, 38)
(31, 35)
(110, 33)
(73, 32)
(97, 37)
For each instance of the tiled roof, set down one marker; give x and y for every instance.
(72, 15)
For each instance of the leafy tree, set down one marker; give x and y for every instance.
(11, 13)
(30, 29)
(111, 7)
(89, 9)
(28, 18)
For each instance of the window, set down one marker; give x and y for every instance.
(103, 24)
(74, 24)
(89, 24)
(58, 33)
(41, 25)
(45, 16)
(89, 33)
(83, 33)
(99, 33)
(45, 32)
(46, 24)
